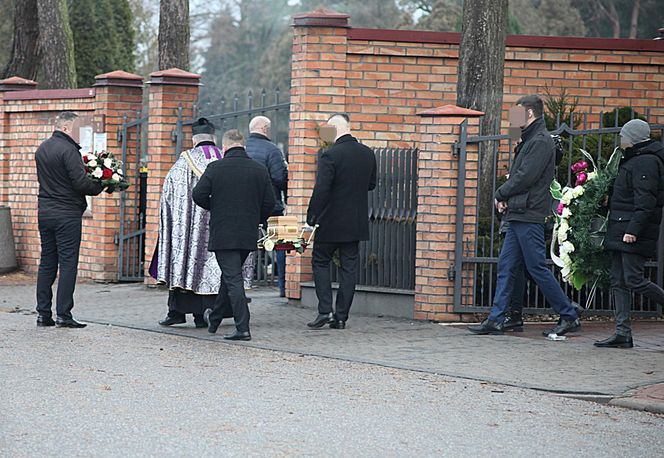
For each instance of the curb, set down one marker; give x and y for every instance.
(638, 404)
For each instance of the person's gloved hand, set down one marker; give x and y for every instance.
(110, 188)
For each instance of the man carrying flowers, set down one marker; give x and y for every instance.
(63, 185)
(526, 201)
(635, 213)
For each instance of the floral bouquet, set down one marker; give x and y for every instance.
(581, 221)
(104, 168)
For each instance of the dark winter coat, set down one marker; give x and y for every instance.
(63, 180)
(636, 200)
(339, 203)
(526, 191)
(238, 192)
(263, 151)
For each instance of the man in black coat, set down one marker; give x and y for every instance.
(635, 213)
(238, 192)
(63, 185)
(261, 149)
(526, 200)
(339, 205)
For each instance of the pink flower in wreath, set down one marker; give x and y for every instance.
(581, 178)
(561, 207)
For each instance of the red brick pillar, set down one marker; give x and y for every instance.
(318, 89)
(15, 83)
(168, 90)
(438, 177)
(116, 94)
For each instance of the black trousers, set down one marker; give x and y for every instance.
(231, 293)
(60, 245)
(627, 277)
(349, 259)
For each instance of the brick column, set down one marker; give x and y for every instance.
(318, 89)
(15, 83)
(438, 177)
(168, 90)
(116, 94)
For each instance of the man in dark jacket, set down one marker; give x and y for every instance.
(263, 151)
(635, 213)
(339, 205)
(526, 199)
(238, 192)
(63, 185)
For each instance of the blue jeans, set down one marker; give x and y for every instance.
(524, 245)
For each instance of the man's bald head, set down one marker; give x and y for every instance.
(341, 123)
(260, 125)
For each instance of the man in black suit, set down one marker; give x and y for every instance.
(339, 205)
(238, 192)
(63, 185)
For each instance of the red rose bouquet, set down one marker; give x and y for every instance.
(104, 168)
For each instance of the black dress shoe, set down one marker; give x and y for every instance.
(170, 321)
(44, 321)
(212, 328)
(563, 327)
(513, 322)
(487, 327)
(321, 320)
(338, 324)
(238, 335)
(68, 323)
(616, 341)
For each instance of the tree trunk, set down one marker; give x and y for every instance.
(615, 19)
(174, 34)
(56, 45)
(634, 24)
(480, 82)
(24, 60)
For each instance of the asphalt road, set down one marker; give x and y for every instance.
(108, 391)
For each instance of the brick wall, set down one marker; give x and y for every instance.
(394, 74)
(386, 79)
(27, 117)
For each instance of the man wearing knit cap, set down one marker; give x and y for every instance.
(634, 218)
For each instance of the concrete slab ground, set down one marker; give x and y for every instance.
(571, 367)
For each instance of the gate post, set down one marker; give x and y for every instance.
(318, 90)
(168, 90)
(116, 93)
(439, 168)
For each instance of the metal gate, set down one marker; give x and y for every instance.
(236, 114)
(131, 237)
(387, 259)
(476, 252)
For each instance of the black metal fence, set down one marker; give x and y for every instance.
(387, 259)
(131, 236)
(235, 112)
(477, 255)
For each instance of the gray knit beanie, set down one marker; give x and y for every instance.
(635, 131)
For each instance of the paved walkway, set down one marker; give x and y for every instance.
(572, 367)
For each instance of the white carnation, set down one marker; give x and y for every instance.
(566, 213)
(562, 236)
(108, 163)
(577, 191)
(563, 226)
(97, 173)
(592, 175)
(567, 247)
(567, 260)
(116, 177)
(92, 163)
(119, 172)
(567, 196)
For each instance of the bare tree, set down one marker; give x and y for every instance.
(56, 45)
(480, 82)
(24, 60)
(174, 34)
(634, 23)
